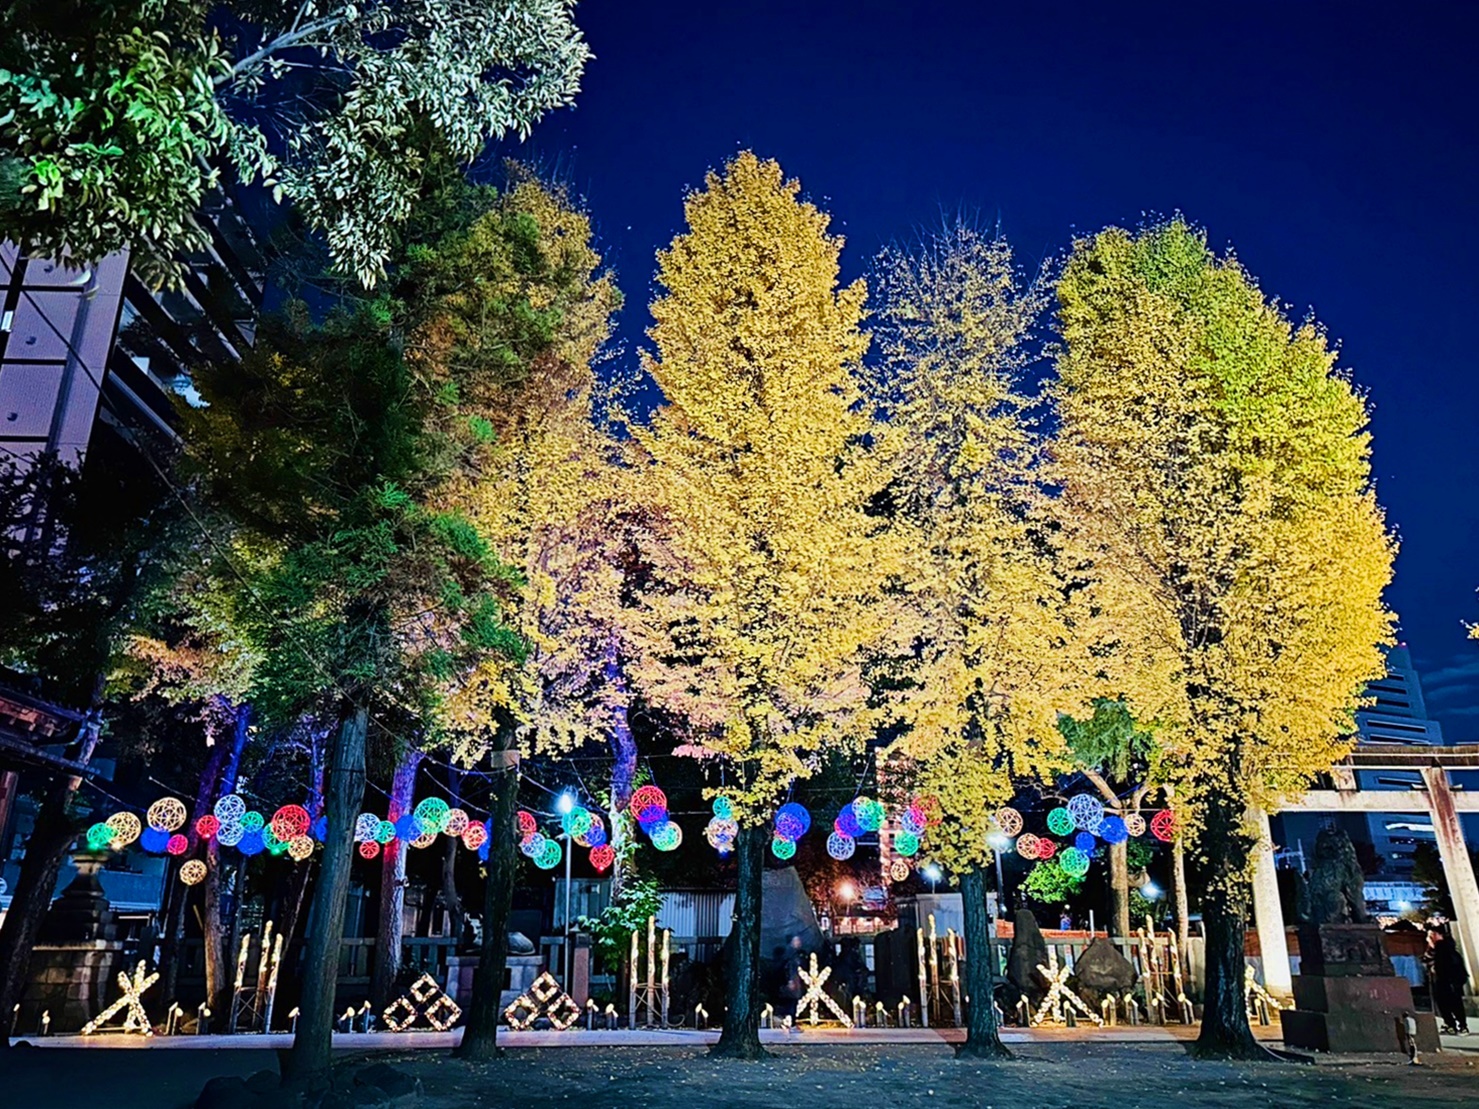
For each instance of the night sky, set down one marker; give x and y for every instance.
(1332, 144)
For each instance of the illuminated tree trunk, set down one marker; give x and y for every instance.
(307, 1064)
(480, 1035)
(215, 932)
(623, 763)
(1119, 889)
(390, 928)
(740, 1038)
(982, 1037)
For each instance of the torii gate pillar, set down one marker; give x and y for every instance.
(1268, 914)
(1454, 853)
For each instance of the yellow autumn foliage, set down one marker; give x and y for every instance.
(1216, 486)
(768, 568)
(996, 656)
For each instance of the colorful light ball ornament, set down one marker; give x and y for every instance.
(230, 809)
(424, 840)
(1060, 821)
(906, 844)
(792, 820)
(913, 820)
(1114, 830)
(368, 849)
(647, 803)
(668, 837)
(168, 814)
(595, 835)
(847, 822)
(192, 873)
(431, 814)
(177, 844)
(126, 828)
(406, 827)
(532, 844)
(841, 847)
(549, 855)
(898, 870)
(1047, 848)
(365, 827)
(251, 842)
(870, 813)
(1163, 825)
(99, 836)
(1027, 845)
(1087, 811)
(782, 848)
(300, 847)
(527, 824)
(1009, 820)
(1085, 842)
(474, 836)
(576, 822)
(229, 835)
(290, 822)
(1075, 863)
(207, 826)
(1135, 824)
(456, 822)
(723, 807)
(384, 833)
(602, 856)
(253, 821)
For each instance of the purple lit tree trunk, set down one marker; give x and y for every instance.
(390, 929)
(623, 761)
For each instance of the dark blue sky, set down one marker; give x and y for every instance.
(1333, 144)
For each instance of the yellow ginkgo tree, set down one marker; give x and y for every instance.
(769, 557)
(994, 656)
(1216, 478)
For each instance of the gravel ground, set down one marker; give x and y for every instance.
(1072, 1076)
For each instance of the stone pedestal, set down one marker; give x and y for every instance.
(72, 981)
(522, 970)
(1348, 1000)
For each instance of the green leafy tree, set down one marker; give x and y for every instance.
(118, 116)
(1117, 756)
(359, 595)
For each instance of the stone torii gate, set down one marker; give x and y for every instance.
(1438, 799)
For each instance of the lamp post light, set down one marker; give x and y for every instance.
(999, 843)
(933, 873)
(564, 804)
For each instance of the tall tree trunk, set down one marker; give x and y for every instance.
(53, 834)
(1226, 1033)
(623, 761)
(740, 1038)
(174, 931)
(450, 898)
(1181, 899)
(480, 1034)
(307, 1065)
(390, 928)
(982, 1037)
(1119, 889)
(213, 926)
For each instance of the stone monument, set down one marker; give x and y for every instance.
(75, 956)
(1346, 996)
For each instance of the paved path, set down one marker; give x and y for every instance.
(811, 1071)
